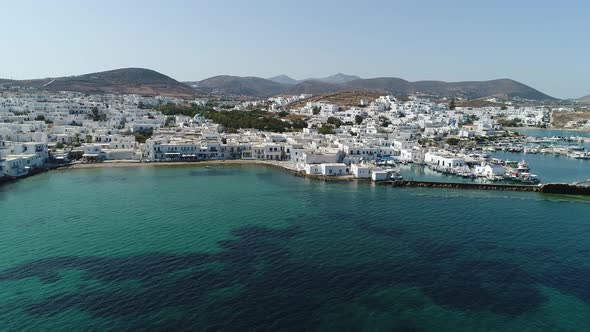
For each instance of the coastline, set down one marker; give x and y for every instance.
(133, 163)
(550, 188)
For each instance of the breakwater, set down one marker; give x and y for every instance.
(565, 189)
(549, 188)
(458, 185)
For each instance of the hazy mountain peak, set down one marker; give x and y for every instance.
(338, 78)
(283, 79)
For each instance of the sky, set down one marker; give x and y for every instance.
(541, 43)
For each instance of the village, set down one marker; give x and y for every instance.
(41, 130)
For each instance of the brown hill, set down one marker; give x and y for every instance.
(504, 88)
(120, 81)
(345, 99)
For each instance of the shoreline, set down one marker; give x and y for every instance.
(550, 188)
(132, 163)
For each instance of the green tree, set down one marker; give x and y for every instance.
(40, 117)
(358, 119)
(59, 145)
(335, 121)
(452, 104)
(143, 135)
(326, 129)
(88, 138)
(452, 141)
(77, 139)
(316, 110)
(96, 115)
(170, 121)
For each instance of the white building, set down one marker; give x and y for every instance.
(360, 171)
(443, 160)
(336, 169)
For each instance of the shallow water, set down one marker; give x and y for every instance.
(255, 248)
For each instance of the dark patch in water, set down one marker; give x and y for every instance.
(375, 229)
(500, 287)
(279, 294)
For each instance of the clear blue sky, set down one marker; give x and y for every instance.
(541, 43)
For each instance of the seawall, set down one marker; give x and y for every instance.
(565, 189)
(460, 185)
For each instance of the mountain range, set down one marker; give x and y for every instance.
(148, 82)
(261, 88)
(585, 99)
(336, 79)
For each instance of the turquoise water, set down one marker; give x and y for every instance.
(242, 248)
(548, 167)
(551, 168)
(551, 132)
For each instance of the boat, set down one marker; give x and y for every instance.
(522, 167)
(511, 163)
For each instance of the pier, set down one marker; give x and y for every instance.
(460, 185)
(549, 188)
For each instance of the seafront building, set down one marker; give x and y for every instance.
(40, 129)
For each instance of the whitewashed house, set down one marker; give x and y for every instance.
(335, 169)
(360, 171)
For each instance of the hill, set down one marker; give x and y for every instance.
(283, 79)
(585, 99)
(345, 99)
(560, 119)
(314, 88)
(120, 81)
(336, 79)
(504, 88)
(240, 86)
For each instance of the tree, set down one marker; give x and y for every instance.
(452, 141)
(170, 121)
(326, 129)
(283, 114)
(316, 110)
(95, 115)
(358, 119)
(452, 105)
(40, 117)
(143, 135)
(335, 121)
(59, 145)
(77, 139)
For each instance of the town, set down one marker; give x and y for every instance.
(372, 140)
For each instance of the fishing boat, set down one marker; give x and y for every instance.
(522, 167)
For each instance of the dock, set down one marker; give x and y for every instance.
(548, 188)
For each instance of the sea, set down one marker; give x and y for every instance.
(253, 248)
